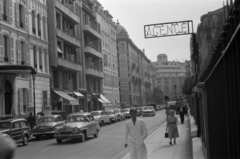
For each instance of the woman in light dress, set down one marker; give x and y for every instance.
(172, 123)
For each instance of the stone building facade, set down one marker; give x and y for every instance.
(23, 47)
(170, 76)
(110, 62)
(134, 71)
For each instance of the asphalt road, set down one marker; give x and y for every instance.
(108, 145)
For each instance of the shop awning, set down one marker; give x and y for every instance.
(78, 94)
(100, 100)
(59, 50)
(64, 95)
(104, 99)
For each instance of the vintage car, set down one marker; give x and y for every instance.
(100, 116)
(112, 116)
(120, 114)
(46, 125)
(149, 111)
(78, 126)
(18, 129)
(126, 111)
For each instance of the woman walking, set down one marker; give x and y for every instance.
(172, 122)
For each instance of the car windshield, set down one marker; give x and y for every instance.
(95, 113)
(148, 107)
(5, 125)
(46, 119)
(117, 111)
(79, 118)
(109, 113)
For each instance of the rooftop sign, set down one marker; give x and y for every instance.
(168, 29)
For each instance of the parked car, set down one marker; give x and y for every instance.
(17, 129)
(46, 125)
(127, 112)
(77, 126)
(149, 110)
(120, 114)
(139, 111)
(100, 116)
(112, 116)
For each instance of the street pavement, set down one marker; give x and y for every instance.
(108, 145)
(158, 146)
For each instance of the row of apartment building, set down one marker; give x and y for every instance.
(68, 55)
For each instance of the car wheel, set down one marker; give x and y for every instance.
(37, 137)
(25, 140)
(59, 141)
(96, 135)
(83, 138)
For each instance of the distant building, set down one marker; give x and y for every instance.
(170, 76)
(189, 68)
(110, 63)
(134, 71)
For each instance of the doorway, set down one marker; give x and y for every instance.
(8, 97)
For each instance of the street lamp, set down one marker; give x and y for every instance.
(175, 86)
(34, 72)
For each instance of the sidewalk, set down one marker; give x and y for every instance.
(158, 147)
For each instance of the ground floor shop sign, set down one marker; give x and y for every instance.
(168, 29)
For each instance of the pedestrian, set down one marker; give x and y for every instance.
(172, 129)
(31, 120)
(7, 146)
(181, 111)
(167, 110)
(136, 133)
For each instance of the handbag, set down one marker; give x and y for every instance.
(166, 134)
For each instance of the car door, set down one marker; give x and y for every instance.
(16, 131)
(90, 124)
(25, 127)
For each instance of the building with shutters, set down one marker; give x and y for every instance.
(68, 92)
(23, 46)
(134, 71)
(170, 76)
(110, 62)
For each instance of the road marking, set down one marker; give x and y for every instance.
(47, 149)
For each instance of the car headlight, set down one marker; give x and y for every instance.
(56, 131)
(76, 130)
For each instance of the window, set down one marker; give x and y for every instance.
(40, 59)
(33, 23)
(6, 48)
(21, 16)
(46, 61)
(21, 55)
(45, 98)
(39, 24)
(44, 27)
(35, 56)
(23, 124)
(16, 125)
(5, 10)
(58, 18)
(56, 79)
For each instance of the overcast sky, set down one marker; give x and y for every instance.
(134, 14)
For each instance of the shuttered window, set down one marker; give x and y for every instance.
(45, 98)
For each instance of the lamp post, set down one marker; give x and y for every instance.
(175, 86)
(34, 72)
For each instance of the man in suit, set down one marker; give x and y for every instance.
(136, 133)
(182, 111)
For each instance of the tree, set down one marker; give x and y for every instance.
(188, 85)
(157, 95)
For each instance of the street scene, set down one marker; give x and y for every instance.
(119, 79)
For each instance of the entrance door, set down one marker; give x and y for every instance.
(8, 98)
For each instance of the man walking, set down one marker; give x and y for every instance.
(136, 133)
(181, 110)
(31, 121)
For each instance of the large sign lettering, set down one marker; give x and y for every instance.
(168, 29)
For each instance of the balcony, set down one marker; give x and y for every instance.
(91, 50)
(68, 11)
(69, 65)
(93, 72)
(68, 38)
(89, 29)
